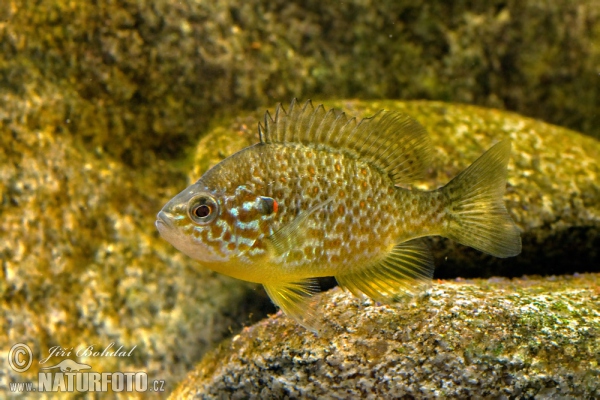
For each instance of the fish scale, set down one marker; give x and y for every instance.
(342, 185)
(320, 196)
(359, 202)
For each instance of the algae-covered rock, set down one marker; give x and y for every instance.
(150, 74)
(494, 338)
(83, 265)
(553, 190)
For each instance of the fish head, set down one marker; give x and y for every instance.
(220, 228)
(188, 220)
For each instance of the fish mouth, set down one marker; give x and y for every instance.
(162, 221)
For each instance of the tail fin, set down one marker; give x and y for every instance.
(478, 217)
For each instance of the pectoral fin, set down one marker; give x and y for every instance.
(294, 298)
(404, 270)
(292, 235)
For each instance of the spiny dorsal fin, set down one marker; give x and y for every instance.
(390, 141)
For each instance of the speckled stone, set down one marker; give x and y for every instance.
(150, 74)
(553, 190)
(498, 338)
(82, 263)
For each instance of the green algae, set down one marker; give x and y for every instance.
(460, 339)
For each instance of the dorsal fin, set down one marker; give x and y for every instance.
(390, 141)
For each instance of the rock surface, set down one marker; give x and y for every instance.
(89, 90)
(150, 74)
(495, 338)
(553, 190)
(82, 263)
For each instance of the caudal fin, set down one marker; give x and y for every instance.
(477, 216)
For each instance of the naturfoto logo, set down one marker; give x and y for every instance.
(69, 375)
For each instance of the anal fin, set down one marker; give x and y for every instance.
(405, 270)
(294, 299)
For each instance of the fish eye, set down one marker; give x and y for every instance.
(203, 209)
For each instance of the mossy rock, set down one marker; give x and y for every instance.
(82, 263)
(522, 338)
(553, 190)
(141, 77)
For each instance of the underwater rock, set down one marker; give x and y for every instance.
(149, 75)
(83, 264)
(497, 338)
(553, 190)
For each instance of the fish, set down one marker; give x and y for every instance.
(324, 194)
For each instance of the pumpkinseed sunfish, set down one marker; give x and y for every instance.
(319, 196)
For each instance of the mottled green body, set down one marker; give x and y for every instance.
(321, 195)
(363, 218)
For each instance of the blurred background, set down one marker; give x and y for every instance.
(154, 73)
